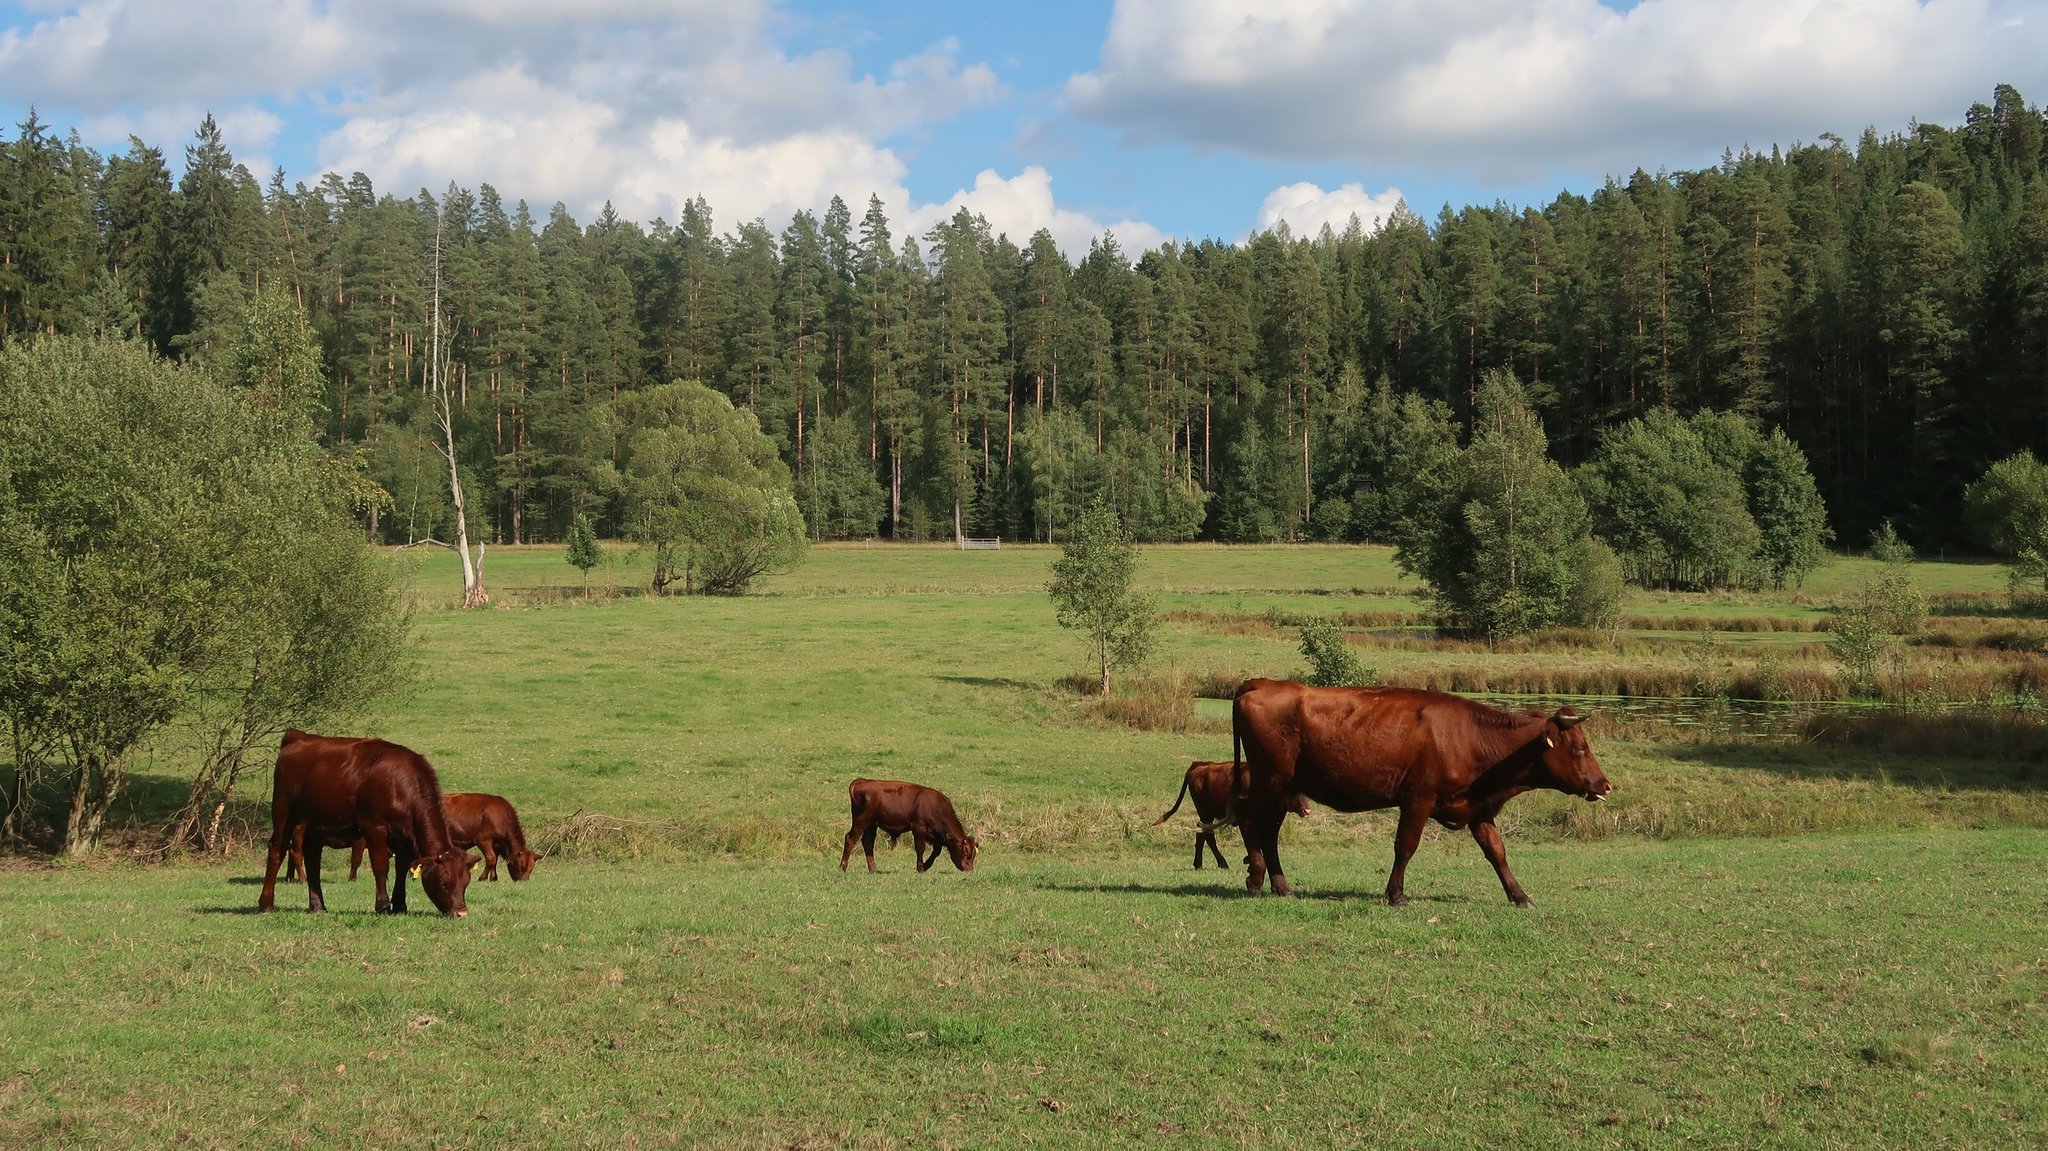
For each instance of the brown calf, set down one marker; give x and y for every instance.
(489, 824)
(896, 807)
(1208, 783)
(485, 822)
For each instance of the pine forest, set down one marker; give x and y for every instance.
(1884, 303)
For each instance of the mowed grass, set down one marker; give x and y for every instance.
(1874, 990)
(1783, 944)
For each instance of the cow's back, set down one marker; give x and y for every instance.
(474, 817)
(337, 786)
(1353, 748)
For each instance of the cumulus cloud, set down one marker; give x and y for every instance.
(1516, 88)
(109, 55)
(1021, 205)
(1305, 208)
(644, 102)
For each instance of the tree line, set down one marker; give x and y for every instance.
(1882, 307)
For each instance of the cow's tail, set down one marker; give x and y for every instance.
(1240, 780)
(1176, 803)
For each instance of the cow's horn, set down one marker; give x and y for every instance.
(1567, 720)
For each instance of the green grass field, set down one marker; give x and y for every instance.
(1777, 943)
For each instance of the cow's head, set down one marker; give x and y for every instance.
(521, 863)
(445, 879)
(963, 853)
(1569, 759)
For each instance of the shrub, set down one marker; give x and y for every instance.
(1857, 643)
(1331, 661)
(1886, 546)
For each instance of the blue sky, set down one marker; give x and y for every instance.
(1149, 118)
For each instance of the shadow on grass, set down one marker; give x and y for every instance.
(988, 681)
(1197, 890)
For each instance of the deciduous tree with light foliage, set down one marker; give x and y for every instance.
(2008, 508)
(167, 555)
(1092, 593)
(703, 489)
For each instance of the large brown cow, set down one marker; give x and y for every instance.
(896, 807)
(1433, 755)
(1208, 783)
(328, 789)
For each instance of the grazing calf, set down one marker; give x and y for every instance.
(896, 807)
(329, 790)
(488, 823)
(485, 822)
(1208, 783)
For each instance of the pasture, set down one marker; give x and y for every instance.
(1779, 942)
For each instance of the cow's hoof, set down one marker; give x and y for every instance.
(1525, 901)
(1397, 900)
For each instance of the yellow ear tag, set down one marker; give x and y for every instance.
(1549, 741)
(415, 872)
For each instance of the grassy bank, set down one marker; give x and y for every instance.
(1822, 938)
(1824, 991)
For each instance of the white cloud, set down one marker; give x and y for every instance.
(1515, 88)
(641, 102)
(1306, 208)
(1019, 206)
(113, 54)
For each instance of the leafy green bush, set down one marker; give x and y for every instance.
(1331, 661)
(1857, 643)
(1887, 547)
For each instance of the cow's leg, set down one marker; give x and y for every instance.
(268, 900)
(316, 899)
(867, 844)
(1407, 837)
(490, 858)
(295, 857)
(1249, 829)
(1273, 865)
(853, 836)
(917, 851)
(355, 859)
(1496, 851)
(1201, 835)
(1210, 835)
(380, 867)
(402, 859)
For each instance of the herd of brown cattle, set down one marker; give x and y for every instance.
(1430, 754)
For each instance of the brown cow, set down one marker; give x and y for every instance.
(896, 807)
(1431, 754)
(328, 789)
(1208, 784)
(488, 823)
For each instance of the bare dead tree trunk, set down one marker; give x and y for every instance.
(473, 593)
